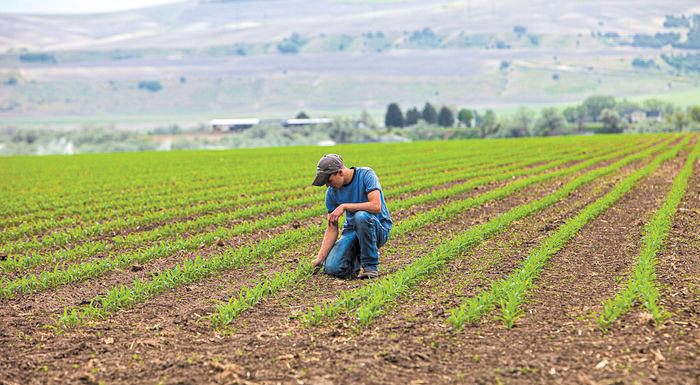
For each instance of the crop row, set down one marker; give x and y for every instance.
(83, 195)
(95, 229)
(91, 248)
(62, 274)
(121, 296)
(510, 291)
(162, 197)
(158, 199)
(641, 284)
(369, 300)
(226, 312)
(240, 194)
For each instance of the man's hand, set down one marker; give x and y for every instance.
(317, 266)
(335, 214)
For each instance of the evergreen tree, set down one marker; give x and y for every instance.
(412, 116)
(394, 116)
(302, 115)
(445, 118)
(429, 113)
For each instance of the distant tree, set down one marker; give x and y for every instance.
(37, 57)
(549, 122)
(594, 105)
(679, 120)
(626, 107)
(488, 125)
(575, 115)
(302, 115)
(644, 64)
(519, 30)
(611, 121)
(429, 114)
(522, 122)
(465, 116)
(291, 44)
(150, 85)
(366, 119)
(412, 116)
(394, 116)
(534, 39)
(446, 118)
(694, 113)
(656, 105)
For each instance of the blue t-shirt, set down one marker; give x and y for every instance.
(364, 181)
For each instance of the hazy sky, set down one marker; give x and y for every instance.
(74, 6)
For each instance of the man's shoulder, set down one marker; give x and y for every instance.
(364, 170)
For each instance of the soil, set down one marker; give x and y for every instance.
(167, 340)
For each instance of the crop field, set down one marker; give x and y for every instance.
(539, 260)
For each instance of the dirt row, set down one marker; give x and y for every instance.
(167, 336)
(195, 232)
(82, 292)
(146, 270)
(247, 238)
(557, 341)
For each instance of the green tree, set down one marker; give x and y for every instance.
(302, 115)
(521, 122)
(594, 105)
(611, 121)
(549, 122)
(465, 116)
(366, 119)
(694, 113)
(394, 116)
(656, 105)
(429, 114)
(446, 118)
(625, 107)
(488, 125)
(150, 85)
(575, 115)
(412, 116)
(679, 120)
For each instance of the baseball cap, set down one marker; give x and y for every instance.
(327, 166)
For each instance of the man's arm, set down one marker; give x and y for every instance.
(328, 241)
(373, 205)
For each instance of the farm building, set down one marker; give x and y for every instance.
(234, 125)
(307, 122)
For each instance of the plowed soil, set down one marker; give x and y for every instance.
(168, 340)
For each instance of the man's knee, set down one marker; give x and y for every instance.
(332, 269)
(362, 218)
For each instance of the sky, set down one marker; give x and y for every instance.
(74, 6)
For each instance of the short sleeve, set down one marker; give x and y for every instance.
(371, 181)
(330, 200)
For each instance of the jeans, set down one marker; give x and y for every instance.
(358, 245)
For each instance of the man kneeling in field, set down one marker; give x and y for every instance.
(357, 193)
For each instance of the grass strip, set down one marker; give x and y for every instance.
(641, 284)
(510, 291)
(372, 298)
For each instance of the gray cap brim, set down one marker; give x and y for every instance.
(320, 180)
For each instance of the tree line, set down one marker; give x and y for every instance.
(596, 114)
